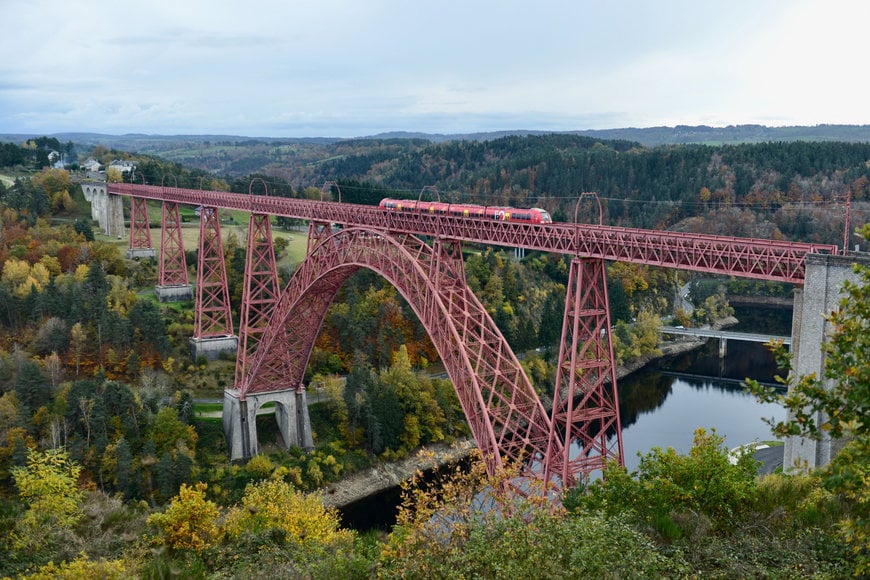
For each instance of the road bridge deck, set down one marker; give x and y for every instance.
(726, 334)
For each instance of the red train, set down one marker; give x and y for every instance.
(511, 214)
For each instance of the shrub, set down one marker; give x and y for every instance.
(190, 521)
(704, 481)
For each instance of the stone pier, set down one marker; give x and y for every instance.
(825, 275)
(214, 346)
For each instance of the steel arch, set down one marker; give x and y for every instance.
(507, 419)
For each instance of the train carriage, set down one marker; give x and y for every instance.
(510, 214)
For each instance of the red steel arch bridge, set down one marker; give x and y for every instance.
(561, 444)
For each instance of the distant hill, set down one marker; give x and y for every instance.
(679, 135)
(648, 136)
(734, 134)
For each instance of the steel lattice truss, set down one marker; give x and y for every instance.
(745, 257)
(173, 268)
(506, 417)
(140, 227)
(212, 317)
(585, 404)
(260, 293)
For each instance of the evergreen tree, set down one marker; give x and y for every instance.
(32, 388)
(124, 468)
(147, 460)
(550, 332)
(165, 477)
(183, 470)
(84, 227)
(356, 388)
(618, 301)
(50, 301)
(96, 290)
(149, 324)
(386, 419)
(19, 453)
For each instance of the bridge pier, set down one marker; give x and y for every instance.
(723, 347)
(240, 420)
(825, 275)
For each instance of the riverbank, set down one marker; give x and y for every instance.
(386, 475)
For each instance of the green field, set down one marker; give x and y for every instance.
(295, 252)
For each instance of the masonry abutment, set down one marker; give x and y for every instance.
(106, 209)
(821, 294)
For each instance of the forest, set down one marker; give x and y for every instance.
(109, 465)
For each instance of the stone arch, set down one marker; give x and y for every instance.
(507, 419)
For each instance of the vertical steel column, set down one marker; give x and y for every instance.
(317, 232)
(140, 228)
(173, 267)
(260, 292)
(585, 404)
(213, 317)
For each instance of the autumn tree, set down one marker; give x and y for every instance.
(56, 184)
(273, 504)
(292, 534)
(170, 434)
(48, 489)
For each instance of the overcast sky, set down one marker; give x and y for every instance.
(346, 68)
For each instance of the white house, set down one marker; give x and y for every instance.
(123, 166)
(92, 164)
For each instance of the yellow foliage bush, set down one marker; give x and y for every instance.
(260, 466)
(276, 504)
(191, 521)
(81, 567)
